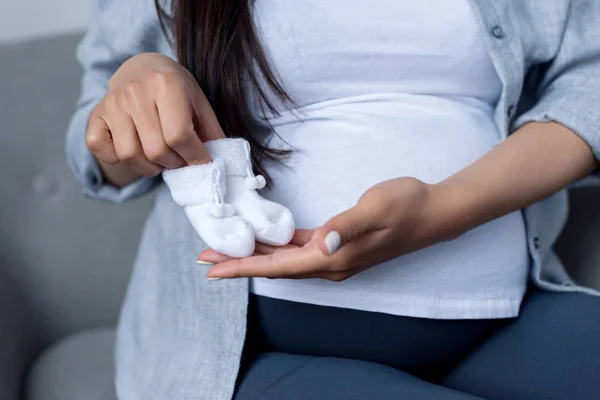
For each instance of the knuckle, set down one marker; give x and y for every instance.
(157, 154)
(201, 157)
(178, 137)
(134, 90)
(177, 85)
(112, 102)
(352, 228)
(94, 142)
(129, 155)
(238, 268)
(165, 79)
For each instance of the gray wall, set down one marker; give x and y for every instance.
(26, 19)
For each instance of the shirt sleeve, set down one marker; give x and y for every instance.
(569, 89)
(119, 29)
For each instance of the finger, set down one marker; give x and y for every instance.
(127, 145)
(342, 229)
(302, 237)
(177, 124)
(212, 257)
(281, 264)
(264, 249)
(99, 140)
(330, 276)
(147, 123)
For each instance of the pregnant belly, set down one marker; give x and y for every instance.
(344, 148)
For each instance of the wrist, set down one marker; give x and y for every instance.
(448, 211)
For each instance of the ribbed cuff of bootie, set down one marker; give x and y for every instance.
(192, 185)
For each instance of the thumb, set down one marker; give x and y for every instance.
(341, 229)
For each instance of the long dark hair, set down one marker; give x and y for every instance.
(217, 42)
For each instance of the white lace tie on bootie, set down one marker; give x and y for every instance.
(273, 223)
(219, 209)
(252, 182)
(201, 190)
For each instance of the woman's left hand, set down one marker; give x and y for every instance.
(392, 218)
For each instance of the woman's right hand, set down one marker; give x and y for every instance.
(154, 117)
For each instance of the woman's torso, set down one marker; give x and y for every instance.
(388, 89)
(182, 336)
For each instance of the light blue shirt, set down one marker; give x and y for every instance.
(181, 337)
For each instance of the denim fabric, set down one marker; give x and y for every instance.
(299, 351)
(181, 337)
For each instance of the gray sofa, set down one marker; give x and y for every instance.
(65, 260)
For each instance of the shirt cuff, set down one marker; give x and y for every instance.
(578, 111)
(87, 171)
(95, 186)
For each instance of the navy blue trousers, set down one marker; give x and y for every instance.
(299, 351)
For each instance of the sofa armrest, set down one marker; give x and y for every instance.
(19, 343)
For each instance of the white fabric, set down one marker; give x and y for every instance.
(272, 223)
(190, 185)
(406, 90)
(215, 222)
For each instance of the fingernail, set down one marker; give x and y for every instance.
(213, 279)
(200, 262)
(333, 241)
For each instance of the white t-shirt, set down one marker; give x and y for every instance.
(385, 89)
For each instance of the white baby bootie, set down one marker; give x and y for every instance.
(273, 223)
(201, 190)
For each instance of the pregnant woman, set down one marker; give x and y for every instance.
(422, 148)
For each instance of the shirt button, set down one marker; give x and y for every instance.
(498, 32)
(511, 111)
(536, 242)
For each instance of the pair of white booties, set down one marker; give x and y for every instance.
(221, 201)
